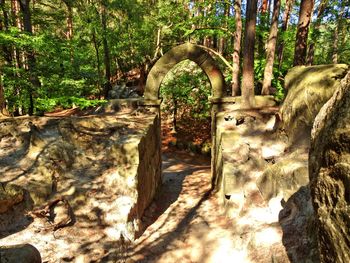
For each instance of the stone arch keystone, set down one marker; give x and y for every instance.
(176, 55)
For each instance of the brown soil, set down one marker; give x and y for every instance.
(189, 131)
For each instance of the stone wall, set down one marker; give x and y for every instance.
(237, 150)
(105, 167)
(261, 181)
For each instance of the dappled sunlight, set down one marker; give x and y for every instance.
(193, 228)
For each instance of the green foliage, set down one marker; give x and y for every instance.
(187, 89)
(49, 104)
(137, 33)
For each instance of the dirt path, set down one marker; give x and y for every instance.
(186, 223)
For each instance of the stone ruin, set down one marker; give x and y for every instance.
(98, 173)
(266, 152)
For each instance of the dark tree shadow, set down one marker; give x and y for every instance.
(16, 219)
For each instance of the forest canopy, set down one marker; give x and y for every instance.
(64, 53)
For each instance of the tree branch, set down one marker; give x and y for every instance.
(217, 54)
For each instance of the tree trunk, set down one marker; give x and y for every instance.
(248, 100)
(305, 14)
(2, 93)
(69, 32)
(263, 22)
(4, 54)
(107, 60)
(33, 78)
(264, 6)
(4, 26)
(94, 40)
(285, 21)
(336, 34)
(271, 48)
(237, 48)
(222, 40)
(316, 32)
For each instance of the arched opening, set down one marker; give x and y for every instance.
(207, 64)
(176, 55)
(185, 109)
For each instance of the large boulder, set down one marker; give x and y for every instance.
(308, 89)
(329, 171)
(24, 253)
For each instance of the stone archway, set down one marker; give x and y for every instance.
(176, 55)
(208, 65)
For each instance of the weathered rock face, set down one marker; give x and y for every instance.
(106, 168)
(284, 177)
(329, 168)
(308, 89)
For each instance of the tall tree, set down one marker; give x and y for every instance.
(31, 66)
(316, 32)
(306, 7)
(107, 59)
(248, 99)
(262, 27)
(271, 48)
(69, 22)
(222, 39)
(285, 22)
(3, 52)
(237, 47)
(339, 17)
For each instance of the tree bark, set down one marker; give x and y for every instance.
(248, 100)
(94, 40)
(69, 32)
(236, 48)
(2, 93)
(305, 14)
(264, 6)
(33, 78)
(263, 22)
(3, 22)
(4, 26)
(316, 32)
(107, 60)
(285, 21)
(336, 34)
(271, 48)
(222, 40)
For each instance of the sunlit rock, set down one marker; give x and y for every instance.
(308, 88)
(107, 167)
(329, 167)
